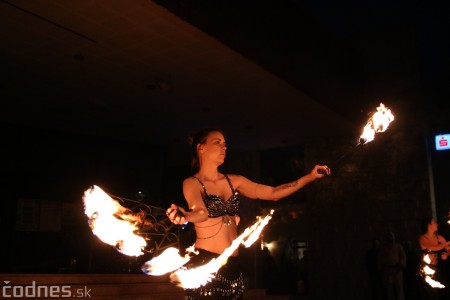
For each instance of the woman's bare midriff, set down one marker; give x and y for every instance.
(215, 235)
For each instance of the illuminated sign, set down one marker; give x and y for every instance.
(442, 142)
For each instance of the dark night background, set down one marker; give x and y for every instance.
(348, 57)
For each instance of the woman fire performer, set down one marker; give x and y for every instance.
(213, 202)
(436, 248)
(433, 243)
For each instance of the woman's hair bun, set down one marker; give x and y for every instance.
(191, 137)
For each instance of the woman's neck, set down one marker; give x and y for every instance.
(431, 234)
(209, 174)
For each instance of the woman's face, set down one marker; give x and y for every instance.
(214, 148)
(433, 225)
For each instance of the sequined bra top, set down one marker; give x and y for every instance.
(216, 206)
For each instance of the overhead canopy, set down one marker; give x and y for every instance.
(132, 70)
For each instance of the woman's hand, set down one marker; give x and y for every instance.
(320, 171)
(176, 214)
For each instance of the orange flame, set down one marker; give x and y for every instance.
(193, 278)
(433, 283)
(379, 122)
(257, 230)
(166, 262)
(429, 273)
(112, 223)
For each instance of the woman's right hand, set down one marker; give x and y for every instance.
(176, 214)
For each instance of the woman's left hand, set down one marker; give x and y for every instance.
(320, 171)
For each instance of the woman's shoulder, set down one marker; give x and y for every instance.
(190, 181)
(191, 186)
(238, 180)
(235, 177)
(189, 178)
(422, 238)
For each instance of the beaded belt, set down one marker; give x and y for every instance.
(222, 288)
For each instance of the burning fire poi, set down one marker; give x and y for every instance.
(112, 223)
(379, 122)
(428, 273)
(196, 277)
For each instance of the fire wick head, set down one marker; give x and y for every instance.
(362, 140)
(91, 220)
